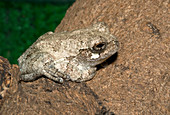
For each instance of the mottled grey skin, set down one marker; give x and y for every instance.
(68, 55)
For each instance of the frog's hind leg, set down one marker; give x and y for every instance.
(28, 77)
(42, 63)
(33, 76)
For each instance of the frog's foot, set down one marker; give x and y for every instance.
(53, 77)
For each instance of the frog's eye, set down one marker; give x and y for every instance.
(98, 48)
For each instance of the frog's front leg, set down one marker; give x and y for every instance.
(80, 72)
(42, 63)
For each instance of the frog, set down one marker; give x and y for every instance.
(69, 55)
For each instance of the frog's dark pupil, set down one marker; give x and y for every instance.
(100, 45)
(98, 48)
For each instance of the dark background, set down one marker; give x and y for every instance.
(23, 21)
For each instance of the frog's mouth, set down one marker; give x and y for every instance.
(108, 59)
(107, 62)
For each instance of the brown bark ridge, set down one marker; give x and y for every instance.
(137, 82)
(8, 80)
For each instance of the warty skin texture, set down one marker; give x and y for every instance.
(68, 55)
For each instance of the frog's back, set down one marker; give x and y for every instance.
(56, 44)
(42, 43)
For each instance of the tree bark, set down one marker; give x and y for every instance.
(137, 82)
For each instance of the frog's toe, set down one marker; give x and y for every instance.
(68, 77)
(53, 77)
(60, 80)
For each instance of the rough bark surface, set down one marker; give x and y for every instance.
(8, 80)
(137, 82)
(43, 96)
